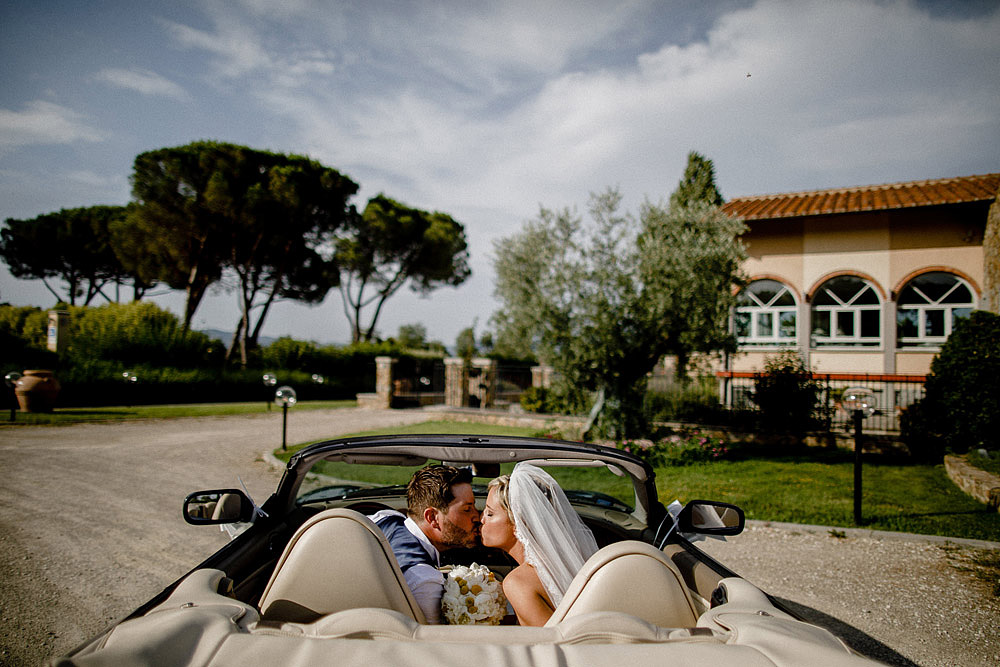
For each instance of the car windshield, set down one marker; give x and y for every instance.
(330, 481)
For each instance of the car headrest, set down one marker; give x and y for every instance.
(337, 560)
(634, 578)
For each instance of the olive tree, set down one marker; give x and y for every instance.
(600, 300)
(691, 258)
(693, 223)
(572, 291)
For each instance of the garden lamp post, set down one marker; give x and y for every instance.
(129, 378)
(285, 396)
(11, 381)
(860, 402)
(269, 381)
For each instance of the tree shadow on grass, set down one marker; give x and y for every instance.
(72, 416)
(863, 643)
(95, 413)
(875, 518)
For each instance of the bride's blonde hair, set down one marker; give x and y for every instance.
(502, 484)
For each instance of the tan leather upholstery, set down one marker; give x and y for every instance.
(383, 624)
(197, 627)
(337, 560)
(630, 577)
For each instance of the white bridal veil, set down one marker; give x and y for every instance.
(555, 539)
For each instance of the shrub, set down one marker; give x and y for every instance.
(961, 406)
(535, 399)
(786, 394)
(552, 433)
(680, 449)
(697, 401)
(286, 352)
(562, 398)
(22, 340)
(985, 460)
(920, 431)
(134, 333)
(101, 383)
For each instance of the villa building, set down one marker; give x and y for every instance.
(861, 281)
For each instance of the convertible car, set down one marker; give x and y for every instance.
(308, 579)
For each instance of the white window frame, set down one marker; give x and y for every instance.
(922, 340)
(853, 310)
(760, 309)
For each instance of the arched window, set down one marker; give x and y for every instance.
(928, 307)
(765, 314)
(846, 311)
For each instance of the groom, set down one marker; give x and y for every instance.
(441, 514)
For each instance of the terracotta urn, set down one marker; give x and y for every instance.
(36, 391)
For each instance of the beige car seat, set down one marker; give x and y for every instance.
(634, 578)
(336, 560)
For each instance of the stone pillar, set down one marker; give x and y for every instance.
(383, 381)
(456, 382)
(58, 330)
(541, 376)
(486, 386)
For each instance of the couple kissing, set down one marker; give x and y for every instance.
(526, 514)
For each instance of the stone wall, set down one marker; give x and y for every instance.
(570, 427)
(981, 485)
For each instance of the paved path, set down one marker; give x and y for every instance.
(90, 515)
(90, 528)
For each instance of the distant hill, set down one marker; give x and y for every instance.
(227, 337)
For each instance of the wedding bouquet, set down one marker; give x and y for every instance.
(472, 595)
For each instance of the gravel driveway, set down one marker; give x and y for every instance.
(91, 528)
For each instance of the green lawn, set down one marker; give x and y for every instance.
(384, 475)
(905, 498)
(67, 416)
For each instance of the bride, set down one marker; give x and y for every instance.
(528, 516)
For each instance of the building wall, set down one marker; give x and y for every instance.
(886, 247)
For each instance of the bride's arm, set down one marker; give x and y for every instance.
(526, 595)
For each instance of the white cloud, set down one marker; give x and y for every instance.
(241, 51)
(44, 122)
(834, 87)
(141, 81)
(486, 110)
(237, 48)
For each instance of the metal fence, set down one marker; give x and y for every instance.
(419, 382)
(512, 381)
(893, 394)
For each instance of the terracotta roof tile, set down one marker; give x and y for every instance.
(866, 198)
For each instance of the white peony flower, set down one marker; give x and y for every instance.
(473, 595)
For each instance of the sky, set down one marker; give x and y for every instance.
(490, 110)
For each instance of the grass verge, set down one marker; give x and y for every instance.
(69, 416)
(895, 497)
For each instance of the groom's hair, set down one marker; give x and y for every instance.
(431, 487)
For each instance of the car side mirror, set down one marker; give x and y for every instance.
(209, 508)
(710, 517)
